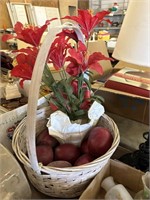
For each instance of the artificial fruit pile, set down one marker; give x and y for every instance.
(51, 153)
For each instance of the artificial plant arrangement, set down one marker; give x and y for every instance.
(72, 94)
(71, 97)
(54, 158)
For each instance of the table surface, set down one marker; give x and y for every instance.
(131, 132)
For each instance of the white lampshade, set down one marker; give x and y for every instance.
(133, 43)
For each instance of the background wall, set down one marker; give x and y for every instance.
(5, 21)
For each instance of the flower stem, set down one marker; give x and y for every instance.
(61, 74)
(64, 71)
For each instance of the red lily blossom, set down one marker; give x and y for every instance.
(93, 62)
(86, 21)
(69, 33)
(76, 59)
(31, 35)
(58, 52)
(25, 63)
(80, 62)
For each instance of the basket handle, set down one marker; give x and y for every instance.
(35, 87)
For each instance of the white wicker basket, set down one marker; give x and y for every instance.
(56, 182)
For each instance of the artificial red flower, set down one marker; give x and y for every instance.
(76, 60)
(31, 35)
(87, 94)
(80, 62)
(85, 105)
(93, 62)
(25, 63)
(69, 33)
(86, 21)
(74, 85)
(58, 52)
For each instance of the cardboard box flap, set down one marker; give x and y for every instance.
(122, 64)
(100, 46)
(93, 190)
(130, 177)
(126, 174)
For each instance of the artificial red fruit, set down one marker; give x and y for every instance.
(60, 163)
(99, 141)
(67, 152)
(44, 138)
(83, 159)
(44, 154)
(84, 146)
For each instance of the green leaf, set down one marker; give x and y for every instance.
(70, 79)
(80, 89)
(80, 112)
(68, 88)
(89, 73)
(47, 77)
(63, 109)
(87, 83)
(98, 98)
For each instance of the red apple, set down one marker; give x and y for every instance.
(60, 163)
(44, 138)
(67, 152)
(84, 146)
(83, 159)
(44, 154)
(99, 141)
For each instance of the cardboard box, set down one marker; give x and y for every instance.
(68, 7)
(100, 46)
(121, 103)
(124, 104)
(122, 173)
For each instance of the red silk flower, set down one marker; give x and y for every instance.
(31, 34)
(79, 62)
(58, 52)
(76, 60)
(68, 33)
(86, 21)
(25, 63)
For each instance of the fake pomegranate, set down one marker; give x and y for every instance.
(99, 141)
(67, 152)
